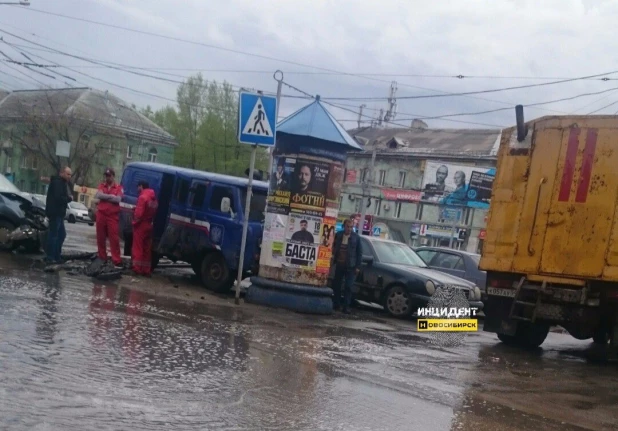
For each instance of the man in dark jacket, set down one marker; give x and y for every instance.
(347, 259)
(58, 197)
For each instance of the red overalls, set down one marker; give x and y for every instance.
(108, 214)
(141, 251)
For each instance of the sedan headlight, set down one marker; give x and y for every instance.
(430, 286)
(477, 293)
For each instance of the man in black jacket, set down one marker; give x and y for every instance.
(347, 258)
(58, 197)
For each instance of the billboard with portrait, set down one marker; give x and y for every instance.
(457, 185)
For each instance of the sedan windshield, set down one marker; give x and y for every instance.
(400, 254)
(78, 206)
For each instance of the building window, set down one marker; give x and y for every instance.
(364, 172)
(397, 212)
(340, 202)
(129, 152)
(402, 178)
(378, 205)
(21, 184)
(382, 177)
(111, 148)
(29, 162)
(152, 155)
(33, 187)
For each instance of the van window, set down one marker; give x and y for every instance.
(182, 191)
(257, 206)
(199, 195)
(218, 193)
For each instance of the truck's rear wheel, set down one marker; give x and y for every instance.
(215, 274)
(528, 335)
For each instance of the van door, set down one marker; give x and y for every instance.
(225, 228)
(175, 237)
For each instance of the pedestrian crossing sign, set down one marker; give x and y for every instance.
(257, 119)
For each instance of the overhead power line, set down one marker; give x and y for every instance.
(110, 65)
(251, 54)
(467, 93)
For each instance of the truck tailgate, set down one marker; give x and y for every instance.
(554, 198)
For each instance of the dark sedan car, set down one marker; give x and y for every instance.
(456, 262)
(394, 276)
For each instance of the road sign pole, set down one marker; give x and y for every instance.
(257, 125)
(245, 225)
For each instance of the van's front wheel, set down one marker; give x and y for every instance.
(215, 274)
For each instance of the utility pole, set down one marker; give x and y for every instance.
(360, 115)
(456, 221)
(392, 104)
(380, 117)
(365, 186)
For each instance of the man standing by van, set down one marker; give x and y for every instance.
(108, 213)
(58, 197)
(347, 259)
(145, 211)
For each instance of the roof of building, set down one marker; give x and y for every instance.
(103, 109)
(210, 176)
(315, 121)
(456, 142)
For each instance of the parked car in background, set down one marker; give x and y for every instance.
(78, 212)
(455, 262)
(92, 211)
(394, 276)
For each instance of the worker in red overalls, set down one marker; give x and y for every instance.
(141, 252)
(109, 195)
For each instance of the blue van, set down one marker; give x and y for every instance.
(199, 219)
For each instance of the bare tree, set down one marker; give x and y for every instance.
(43, 126)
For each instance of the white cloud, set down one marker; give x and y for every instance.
(498, 38)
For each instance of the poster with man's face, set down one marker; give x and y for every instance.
(309, 186)
(457, 185)
(303, 229)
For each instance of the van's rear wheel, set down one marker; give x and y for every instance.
(215, 274)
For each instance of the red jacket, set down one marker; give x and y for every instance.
(108, 208)
(146, 207)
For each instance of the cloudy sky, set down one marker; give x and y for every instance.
(348, 52)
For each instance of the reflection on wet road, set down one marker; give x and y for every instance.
(78, 356)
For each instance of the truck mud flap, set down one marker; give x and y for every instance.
(495, 309)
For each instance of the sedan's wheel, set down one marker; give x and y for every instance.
(398, 302)
(72, 219)
(5, 229)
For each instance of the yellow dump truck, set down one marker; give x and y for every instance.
(551, 250)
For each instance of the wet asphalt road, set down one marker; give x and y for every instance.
(78, 355)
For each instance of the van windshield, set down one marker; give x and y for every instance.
(258, 204)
